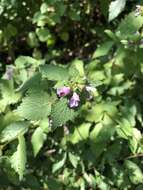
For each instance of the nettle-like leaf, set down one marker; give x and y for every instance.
(129, 26)
(54, 72)
(31, 83)
(35, 106)
(13, 130)
(115, 8)
(18, 159)
(103, 49)
(61, 113)
(37, 140)
(8, 93)
(24, 61)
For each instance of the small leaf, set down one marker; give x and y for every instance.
(59, 164)
(18, 159)
(43, 34)
(134, 172)
(80, 133)
(129, 26)
(37, 140)
(13, 130)
(73, 159)
(103, 49)
(115, 8)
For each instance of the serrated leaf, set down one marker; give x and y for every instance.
(103, 49)
(124, 130)
(129, 26)
(32, 82)
(54, 72)
(24, 61)
(13, 130)
(37, 140)
(8, 93)
(61, 113)
(115, 8)
(18, 159)
(35, 106)
(59, 164)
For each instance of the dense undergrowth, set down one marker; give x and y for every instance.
(71, 114)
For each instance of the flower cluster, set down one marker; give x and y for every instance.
(73, 101)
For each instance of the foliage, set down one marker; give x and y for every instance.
(88, 136)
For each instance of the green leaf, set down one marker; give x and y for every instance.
(73, 159)
(80, 133)
(103, 49)
(35, 106)
(24, 61)
(115, 8)
(124, 130)
(101, 135)
(18, 159)
(79, 66)
(59, 164)
(61, 113)
(134, 172)
(8, 93)
(98, 110)
(54, 72)
(32, 82)
(129, 26)
(37, 140)
(43, 34)
(13, 130)
(135, 141)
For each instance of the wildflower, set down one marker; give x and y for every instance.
(63, 91)
(74, 101)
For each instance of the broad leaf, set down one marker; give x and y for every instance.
(61, 113)
(59, 164)
(54, 72)
(37, 140)
(103, 49)
(13, 130)
(35, 106)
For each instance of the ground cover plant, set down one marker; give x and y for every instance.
(71, 115)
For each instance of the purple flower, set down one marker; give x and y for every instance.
(63, 91)
(74, 101)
